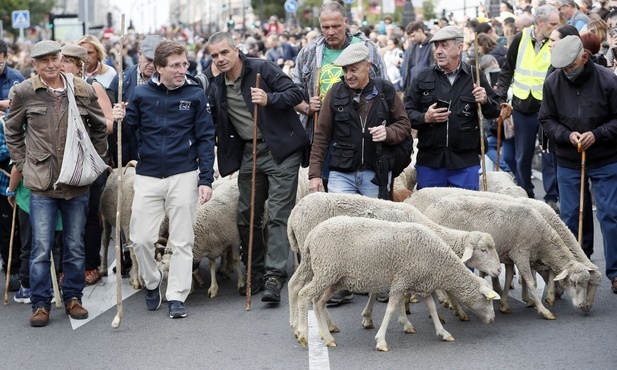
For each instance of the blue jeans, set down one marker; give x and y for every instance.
(604, 180)
(549, 177)
(525, 133)
(43, 219)
(491, 153)
(465, 178)
(358, 182)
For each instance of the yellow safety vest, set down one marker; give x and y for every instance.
(531, 68)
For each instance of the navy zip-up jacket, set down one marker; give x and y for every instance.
(176, 130)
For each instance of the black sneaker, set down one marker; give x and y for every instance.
(257, 285)
(341, 296)
(153, 296)
(14, 283)
(176, 310)
(272, 290)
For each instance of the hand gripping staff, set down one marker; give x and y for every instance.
(252, 221)
(118, 319)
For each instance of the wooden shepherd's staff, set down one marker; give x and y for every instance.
(118, 319)
(252, 221)
(8, 263)
(482, 148)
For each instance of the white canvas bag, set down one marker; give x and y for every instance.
(81, 164)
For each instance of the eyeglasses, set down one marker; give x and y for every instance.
(183, 65)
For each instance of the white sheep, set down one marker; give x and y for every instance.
(503, 183)
(522, 237)
(109, 201)
(475, 249)
(371, 255)
(423, 198)
(216, 232)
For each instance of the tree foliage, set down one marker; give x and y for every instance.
(429, 9)
(38, 10)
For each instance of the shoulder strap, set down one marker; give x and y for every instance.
(203, 81)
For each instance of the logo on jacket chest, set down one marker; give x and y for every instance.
(185, 105)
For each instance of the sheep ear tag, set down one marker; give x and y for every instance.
(490, 294)
(561, 276)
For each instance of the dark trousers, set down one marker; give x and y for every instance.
(278, 184)
(6, 221)
(525, 133)
(92, 236)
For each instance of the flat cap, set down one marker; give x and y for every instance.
(44, 47)
(448, 33)
(566, 51)
(149, 44)
(75, 51)
(354, 53)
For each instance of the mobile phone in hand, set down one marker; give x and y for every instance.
(442, 104)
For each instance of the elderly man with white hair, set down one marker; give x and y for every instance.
(579, 112)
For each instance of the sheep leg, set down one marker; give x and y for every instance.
(393, 305)
(402, 316)
(135, 278)
(240, 274)
(300, 278)
(311, 291)
(525, 271)
(367, 313)
(323, 317)
(439, 329)
(504, 307)
(106, 237)
(458, 310)
(443, 298)
(213, 291)
(548, 277)
(525, 292)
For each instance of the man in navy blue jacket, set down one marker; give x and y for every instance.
(176, 138)
(280, 140)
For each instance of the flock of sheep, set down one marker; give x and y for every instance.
(427, 243)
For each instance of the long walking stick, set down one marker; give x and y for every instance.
(54, 280)
(118, 319)
(499, 130)
(582, 198)
(8, 263)
(480, 117)
(249, 268)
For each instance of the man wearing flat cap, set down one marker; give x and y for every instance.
(442, 106)
(579, 112)
(36, 133)
(360, 119)
(352, 121)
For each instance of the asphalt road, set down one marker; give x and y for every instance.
(220, 334)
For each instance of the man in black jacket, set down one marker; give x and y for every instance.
(449, 135)
(579, 111)
(280, 140)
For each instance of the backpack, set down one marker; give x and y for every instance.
(402, 151)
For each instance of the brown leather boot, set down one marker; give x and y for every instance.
(40, 317)
(75, 310)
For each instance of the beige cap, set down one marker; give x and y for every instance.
(352, 54)
(75, 51)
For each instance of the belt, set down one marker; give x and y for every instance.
(260, 140)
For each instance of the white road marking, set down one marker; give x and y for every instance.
(318, 351)
(101, 296)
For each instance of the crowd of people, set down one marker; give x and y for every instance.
(339, 100)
